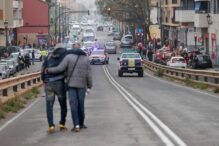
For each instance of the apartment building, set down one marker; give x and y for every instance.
(213, 31)
(199, 24)
(10, 11)
(169, 30)
(35, 28)
(185, 16)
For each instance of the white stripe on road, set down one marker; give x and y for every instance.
(141, 109)
(18, 115)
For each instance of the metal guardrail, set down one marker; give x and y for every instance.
(210, 78)
(17, 86)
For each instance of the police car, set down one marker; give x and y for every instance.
(99, 56)
(130, 62)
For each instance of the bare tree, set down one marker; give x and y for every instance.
(134, 11)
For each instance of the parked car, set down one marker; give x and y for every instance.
(13, 49)
(117, 36)
(4, 71)
(11, 64)
(127, 41)
(130, 63)
(99, 57)
(162, 56)
(201, 61)
(110, 47)
(100, 28)
(202, 50)
(178, 62)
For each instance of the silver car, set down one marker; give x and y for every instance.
(110, 47)
(11, 64)
(4, 71)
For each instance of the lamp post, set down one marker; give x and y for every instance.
(6, 32)
(209, 19)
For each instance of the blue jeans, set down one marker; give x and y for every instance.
(52, 89)
(76, 100)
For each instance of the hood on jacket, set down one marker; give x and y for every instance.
(58, 52)
(76, 52)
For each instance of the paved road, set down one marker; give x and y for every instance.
(33, 68)
(127, 111)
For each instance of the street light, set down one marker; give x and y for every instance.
(6, 31)
(209, 19)
(109, 11)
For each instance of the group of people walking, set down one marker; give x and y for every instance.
(67, 71)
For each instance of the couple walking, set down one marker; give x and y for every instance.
(69, 68)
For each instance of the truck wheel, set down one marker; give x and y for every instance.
(141, 74)
(120, 73)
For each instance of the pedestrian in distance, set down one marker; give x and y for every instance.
(20, 61)
(150, 55)
(27, 60)
(78, 80)
(33, 57)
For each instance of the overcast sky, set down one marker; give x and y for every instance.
(90, 4)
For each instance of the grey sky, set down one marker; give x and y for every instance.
(88, 3)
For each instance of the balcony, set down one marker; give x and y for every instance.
(184, 15)
(18, 4)
(201, 20)
(17, 23)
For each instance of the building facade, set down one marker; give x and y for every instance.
(35, 29)
(169, 25)
(10, 11)
(198, 25)
(213, 31)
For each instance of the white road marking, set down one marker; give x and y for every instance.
(140, 108)
(18, 115)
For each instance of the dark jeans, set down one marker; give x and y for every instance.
(76, 99)
(52, 89)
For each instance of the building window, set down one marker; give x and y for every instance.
(214, 6)
(202, 6)
(174, 1)
(1, 14)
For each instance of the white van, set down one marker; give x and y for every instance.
(76, 28)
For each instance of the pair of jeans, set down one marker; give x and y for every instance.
(76, 100)
(52, 89)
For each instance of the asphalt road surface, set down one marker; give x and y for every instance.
(125, 111)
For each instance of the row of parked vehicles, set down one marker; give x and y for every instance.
(188, 59)
(13, 59)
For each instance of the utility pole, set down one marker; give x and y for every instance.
(59, 39)
(160, 21)
(55, 21)
(48, 41)
(63, 22)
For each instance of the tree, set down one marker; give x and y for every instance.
(48, 1)
(132, 11)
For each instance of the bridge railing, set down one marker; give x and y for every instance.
(210, 78)
(19, 85)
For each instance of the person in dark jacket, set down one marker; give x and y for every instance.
(150, 55)
(27, 60)
(55, 86)
(33, 57)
